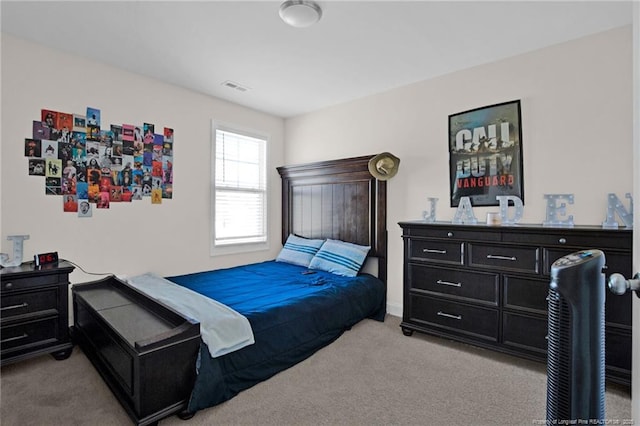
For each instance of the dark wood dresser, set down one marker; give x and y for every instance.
(145, 351)
(34, 317)
(487, 285)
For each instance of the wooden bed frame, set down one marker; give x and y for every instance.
(132, 339)
(336, 199)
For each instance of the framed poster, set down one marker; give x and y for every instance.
(485, 154)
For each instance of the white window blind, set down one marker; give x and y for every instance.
(240, 189)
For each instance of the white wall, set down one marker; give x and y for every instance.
(129, 238)
(576, 130)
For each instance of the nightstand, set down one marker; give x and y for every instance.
(34, 314)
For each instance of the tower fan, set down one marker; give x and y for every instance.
(575, 362)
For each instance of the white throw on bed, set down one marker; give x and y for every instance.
(221, 328)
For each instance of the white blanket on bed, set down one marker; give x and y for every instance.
(221, 328)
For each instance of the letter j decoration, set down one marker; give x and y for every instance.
(485, 154)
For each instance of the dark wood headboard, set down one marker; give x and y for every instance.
(336, 199)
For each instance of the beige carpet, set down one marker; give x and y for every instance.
(372, 375)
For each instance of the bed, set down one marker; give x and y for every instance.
(304, 306)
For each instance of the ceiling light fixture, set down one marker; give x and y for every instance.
(300, 13)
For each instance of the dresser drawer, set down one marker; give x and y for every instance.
(513, 258)
(29, 334)
(17, 305)
(448, 232)
(524, 332)
(473, 286)
(525, 294)
(618, 309)
(472, 321)
(16, 284)
(614, 261)
(560, 237)
(618, 352)
(436, 251)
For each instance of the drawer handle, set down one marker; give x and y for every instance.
(455, 317)
(562, 240)
(22, 305)
(24, 335)
(449, 283)
(495, 256)
(8, 285)
(449, 234)
(434, 251)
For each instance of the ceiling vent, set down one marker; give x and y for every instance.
(236, 86)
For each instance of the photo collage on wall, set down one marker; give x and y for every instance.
(92, 167)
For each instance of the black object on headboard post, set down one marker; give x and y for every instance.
(337, 199)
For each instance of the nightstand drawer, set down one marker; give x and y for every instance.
(13, 284)
(473, 321)
(473, 286)
(19, 304)
(29, 334)
(514, 258)
(445, 252)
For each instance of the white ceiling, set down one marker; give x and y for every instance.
(358, 48)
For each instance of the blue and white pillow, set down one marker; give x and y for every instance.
(298, 250)
(340, 257)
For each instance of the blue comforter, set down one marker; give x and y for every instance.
(292, 312)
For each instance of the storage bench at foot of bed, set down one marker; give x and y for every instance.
(145, 351)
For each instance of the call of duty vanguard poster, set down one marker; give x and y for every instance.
(485, 154)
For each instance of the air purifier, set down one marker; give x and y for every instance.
(575, 363)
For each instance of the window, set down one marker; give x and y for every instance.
(239, 189)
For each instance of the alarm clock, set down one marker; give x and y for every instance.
(45, 258)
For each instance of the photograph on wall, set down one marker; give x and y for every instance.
(82, 190)
(53, 168)
(36, 166)
(156, 196)
(50, 149)
(167, 163)
(32, 148)
(103, 200)
(70, 204)
(84, 209)
(49, 118)
(93, 117)
(79, 146)
(65, 122)
(79, 123)
(52, 186)
(40, 130)
(485, 154)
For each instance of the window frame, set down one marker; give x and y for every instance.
(233, 248)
